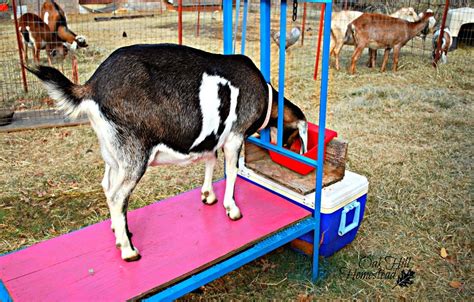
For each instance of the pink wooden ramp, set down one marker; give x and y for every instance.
(176, 237)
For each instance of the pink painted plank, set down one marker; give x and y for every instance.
(175, 237)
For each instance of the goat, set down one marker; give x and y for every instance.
(36, 35)
(54, 16)
(340, 21)
(446, 42)
(429, 28)
(164, 104)
(380, 31)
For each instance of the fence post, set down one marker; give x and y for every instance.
(441, 34)
(20, 48)
(180, 22)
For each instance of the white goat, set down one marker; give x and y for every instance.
(169, 104)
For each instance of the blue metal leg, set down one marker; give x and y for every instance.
(227, 26)
(281, 72)
(322, 127)
(265, 7)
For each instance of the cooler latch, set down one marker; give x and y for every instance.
(343, 228)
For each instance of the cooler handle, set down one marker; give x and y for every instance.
(343, 228)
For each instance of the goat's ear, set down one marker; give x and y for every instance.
(67, 45)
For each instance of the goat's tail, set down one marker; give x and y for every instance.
(68, 95)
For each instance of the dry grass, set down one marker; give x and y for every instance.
(410, 133)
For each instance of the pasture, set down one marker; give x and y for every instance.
(410, 133)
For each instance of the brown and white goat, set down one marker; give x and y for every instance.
(377, 31)
(340, 21)
(54, 16)
(170, 104)
(446, 42)
(36, 35)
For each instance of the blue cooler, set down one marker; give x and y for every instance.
(342, 210)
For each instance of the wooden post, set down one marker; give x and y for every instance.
(20, 48)
(75, 71)
(320, 34)
(441, 34)
(199, 17)
(304, 23)
(180, 22)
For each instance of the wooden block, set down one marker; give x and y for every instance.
(257, 159)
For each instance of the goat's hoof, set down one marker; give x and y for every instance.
(208, 198)
(118, 245)
(134, 258)
(131, 255)
(234, 214)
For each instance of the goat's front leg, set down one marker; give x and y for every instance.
(231, 152)
(207, 193)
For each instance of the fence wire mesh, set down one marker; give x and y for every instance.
(109, 25)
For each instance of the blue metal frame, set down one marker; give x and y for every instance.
(305, 226)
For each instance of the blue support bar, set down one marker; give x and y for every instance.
(265, 39)
(265, 7)
(322, 126)
(283, 151)
(218, 270)
(244, 26)
(281, 73)
(4, 295)
(227, 27)
(236, 24)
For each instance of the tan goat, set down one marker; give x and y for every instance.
(377, 31)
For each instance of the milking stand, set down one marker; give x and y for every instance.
(311, 224)
(181, 241)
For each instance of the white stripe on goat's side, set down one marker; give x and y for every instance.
(210, 102)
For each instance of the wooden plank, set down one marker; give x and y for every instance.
(257, 159)
(176, 237)
(37, 119)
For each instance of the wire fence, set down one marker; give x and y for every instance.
(108, 26)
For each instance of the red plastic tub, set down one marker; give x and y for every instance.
(3, 7)
(312, 150)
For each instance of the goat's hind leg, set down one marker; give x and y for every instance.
(122, 181)
(207, 193)
(232, 149)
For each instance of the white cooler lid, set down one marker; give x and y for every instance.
(343, 192)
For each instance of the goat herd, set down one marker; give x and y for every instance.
(362, 30)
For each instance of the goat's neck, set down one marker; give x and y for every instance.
(416, 27)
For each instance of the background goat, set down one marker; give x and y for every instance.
(36, 35)
(380, 31)
(446, 42)
(54, 16)
(165, 104)
(340, 21)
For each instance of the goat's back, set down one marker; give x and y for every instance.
(155, 91)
